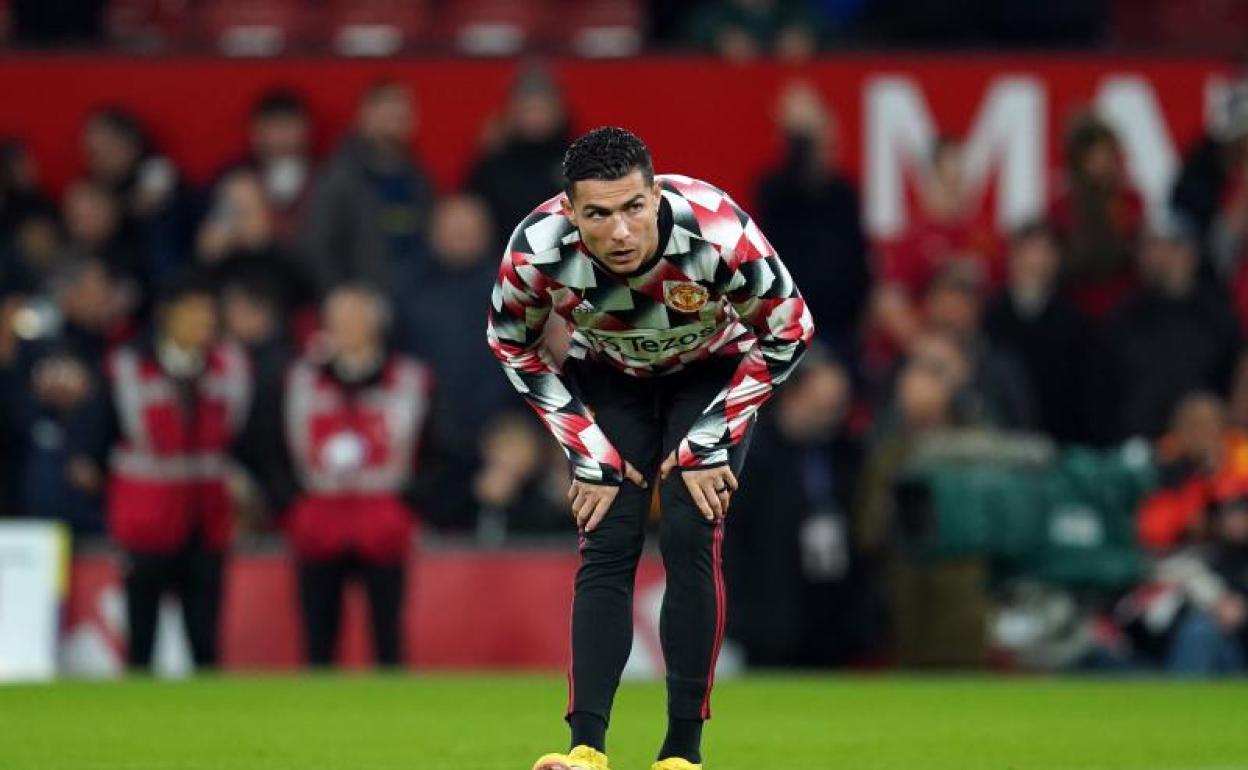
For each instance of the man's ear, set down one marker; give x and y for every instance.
(657, 190)
(565, 203)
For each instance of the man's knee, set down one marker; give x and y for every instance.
(684, 535)
(612, 549)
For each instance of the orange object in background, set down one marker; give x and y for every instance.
(1170, 514)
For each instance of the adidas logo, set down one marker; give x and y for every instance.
(585, 307)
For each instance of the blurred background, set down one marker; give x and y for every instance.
(231, 228)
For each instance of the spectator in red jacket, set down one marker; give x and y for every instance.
(1098, 217)
(1201, 461)
(355, 420)
(949, 226)
(164, 429)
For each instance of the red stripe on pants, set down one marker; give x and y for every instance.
(720, 612)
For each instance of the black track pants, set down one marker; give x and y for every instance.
(645, 419)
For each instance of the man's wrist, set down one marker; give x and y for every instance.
(706, 467)
(687, 458)
(599, 482)
(607, 476)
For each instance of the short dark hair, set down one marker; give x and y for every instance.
(279, 103)
(380, 89)
(188, 282)
(123, 123)
(1086, 131)
(606, 153)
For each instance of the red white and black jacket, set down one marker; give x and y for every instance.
(715, 288)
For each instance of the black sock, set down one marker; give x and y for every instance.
(588, 730)
(684, 740)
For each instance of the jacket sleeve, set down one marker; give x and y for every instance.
(764, 296)
(519, 307)
(1168, 514)
(93, 427)
(325, 237)
(1186, 569)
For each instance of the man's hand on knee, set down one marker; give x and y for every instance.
(710, 488)
(590, 502)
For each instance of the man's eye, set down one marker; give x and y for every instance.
(636, 207)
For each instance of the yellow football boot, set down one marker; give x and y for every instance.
(579, 758)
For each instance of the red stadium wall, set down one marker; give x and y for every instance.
(464, 609)
(702, 117)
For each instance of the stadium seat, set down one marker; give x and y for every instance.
(255, 27)
(375, 27)
(145, 24)
(493, 27)
(601, 28)
(6, 22)
(1198, 25)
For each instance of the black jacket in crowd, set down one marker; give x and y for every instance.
(1052, 346)
(1153, 351)
(813, 221)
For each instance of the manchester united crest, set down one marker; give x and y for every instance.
(685, 296)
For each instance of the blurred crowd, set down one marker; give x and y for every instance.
(736, 29)
(300, 342)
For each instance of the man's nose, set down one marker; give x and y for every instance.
(620, 231)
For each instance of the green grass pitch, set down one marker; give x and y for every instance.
(502, 723)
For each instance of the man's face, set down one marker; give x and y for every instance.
(1233, 525)
(352, 321)
(248, 318)
(89, 300)
(1168, 264)
(90, 214)
(1034, 262)
(389, 117)
(954, 310)
(191, 322)
(924, 397)
(110, 155)
(948, 169)
(283, 135)
(1200, 425)
(1099, 163)
(618, 219)
(460, 232)
(537, 117)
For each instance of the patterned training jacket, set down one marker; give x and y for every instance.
(715, 288)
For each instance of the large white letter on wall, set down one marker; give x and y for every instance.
(1129, 105)
(1007, 136)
